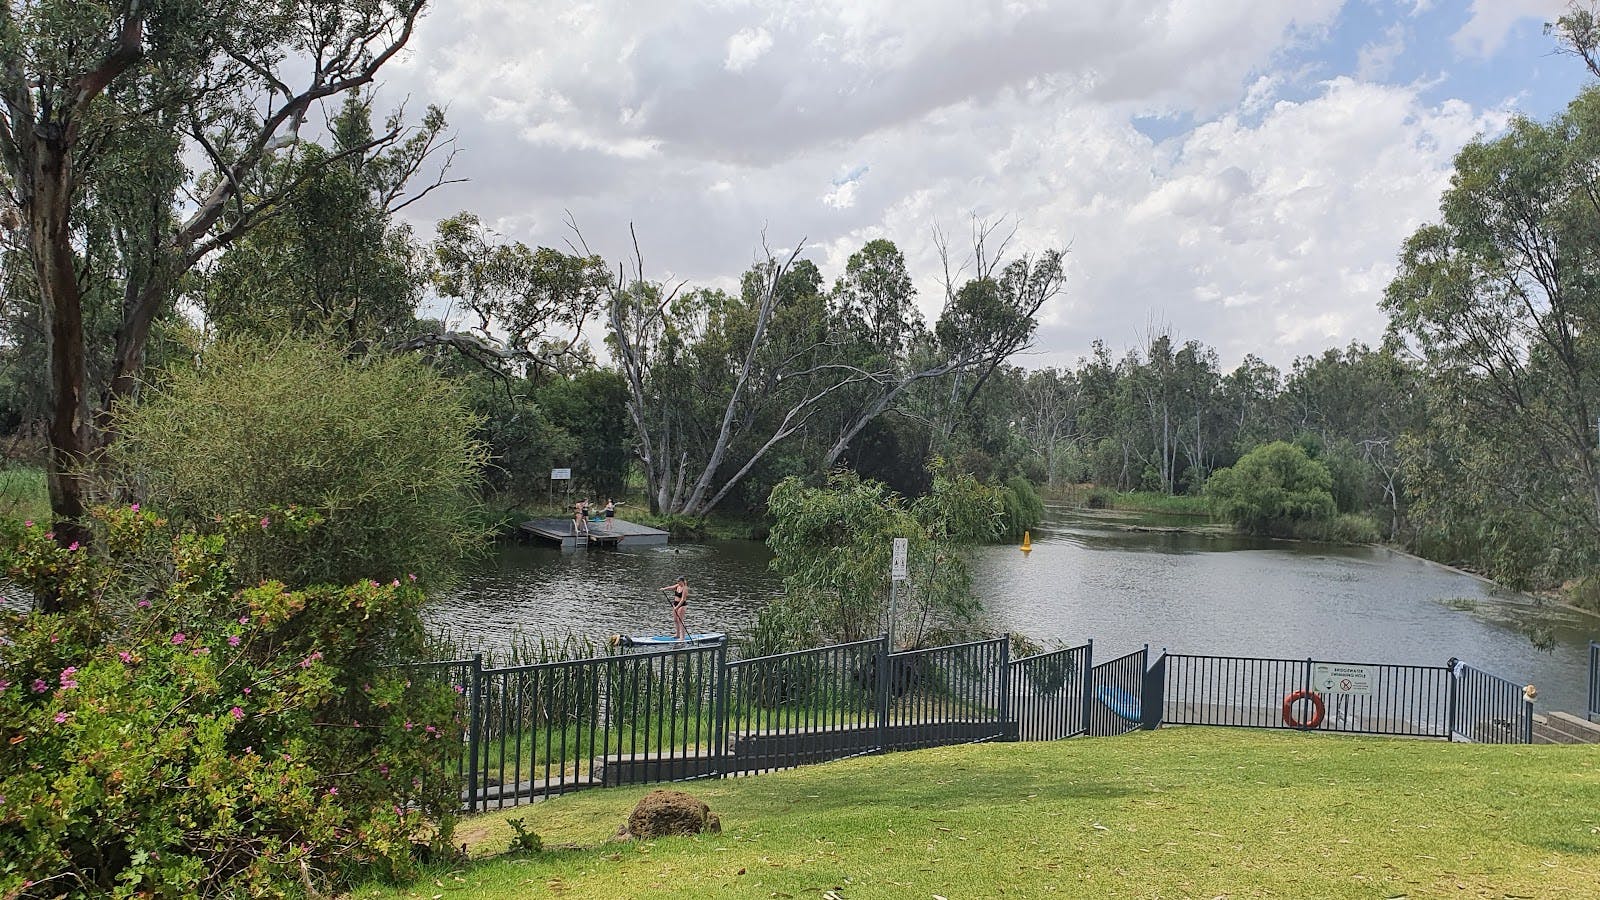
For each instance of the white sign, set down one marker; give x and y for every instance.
(897, 569)
(560, 474)
(1338, 678)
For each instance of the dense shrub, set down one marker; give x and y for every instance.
(178, 735)
(380, 447)
(1272, 490)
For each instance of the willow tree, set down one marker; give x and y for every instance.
(143, 132)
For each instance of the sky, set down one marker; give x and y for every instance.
(1238, 172)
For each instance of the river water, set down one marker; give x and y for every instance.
(1089, 575)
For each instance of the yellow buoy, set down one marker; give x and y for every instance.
(1027, 541)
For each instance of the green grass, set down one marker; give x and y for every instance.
(24, 494)
(1185, 812)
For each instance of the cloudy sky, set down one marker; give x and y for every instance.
(1240, 172)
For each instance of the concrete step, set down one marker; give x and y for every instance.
(1564, 728)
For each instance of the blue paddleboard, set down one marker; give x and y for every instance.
(1121, 703)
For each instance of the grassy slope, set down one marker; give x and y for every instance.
(1175, 813)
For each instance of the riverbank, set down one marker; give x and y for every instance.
(1175, 812)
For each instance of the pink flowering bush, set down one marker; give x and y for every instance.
(181, 734)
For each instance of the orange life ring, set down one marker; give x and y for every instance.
(1318, 710)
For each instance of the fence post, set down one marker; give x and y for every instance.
(719, 713)
(1450, 703)
(883, 694)
(1088, 686)
(472, 732)
(1527, 718)
(1008, 728)
(1152, 705)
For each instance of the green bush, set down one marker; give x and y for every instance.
(1274, 489)
(378, 447)
(176, 735)
(1023, 508)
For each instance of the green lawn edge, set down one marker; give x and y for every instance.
(1183, 812)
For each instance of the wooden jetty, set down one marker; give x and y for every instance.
(622, 534)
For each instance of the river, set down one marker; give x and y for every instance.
(1089, 575)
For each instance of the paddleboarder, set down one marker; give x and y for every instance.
(680, 605)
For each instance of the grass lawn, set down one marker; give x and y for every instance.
(1183, 812)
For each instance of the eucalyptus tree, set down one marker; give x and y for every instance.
(1500, 300)
(160, 119)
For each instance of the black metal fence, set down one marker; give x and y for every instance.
(1487, 709)
(1594, 681)
(1051, 693)
(1116, 694)
(672, 715)
(1308, 694)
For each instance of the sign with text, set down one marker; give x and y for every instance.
(897, 569)
(1341, 678)
(560, 474)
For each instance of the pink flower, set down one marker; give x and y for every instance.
(61, 718)
(49, 535)
(247, 692)
(233, 640)
(459, 689)
(333, 792)
(244, 620)
(430, 729)
(178, 638)
(383, 770)
(265, 522)
(394, 583)
(409, 726)
(67, 681)
(144, 604)
(4, 684)
(236, 712)
(28, 524)
(72, 546)
(39, 686)
(411, 576)
(125, 656)
(201, 651)
(133, 508)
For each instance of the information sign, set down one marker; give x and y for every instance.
(560, 474)
(897, 570)
(1340, 678)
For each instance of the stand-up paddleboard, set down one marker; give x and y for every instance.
(665, 640)
(1122, 704)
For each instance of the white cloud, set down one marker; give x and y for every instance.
(1265, 218)
(1490, 21)
(745, 47)
(1376, 59)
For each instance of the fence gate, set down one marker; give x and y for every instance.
(1488, 709)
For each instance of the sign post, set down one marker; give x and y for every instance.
(897, 574)
(558, 475)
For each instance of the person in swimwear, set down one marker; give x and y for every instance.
(611, 513)
(680, 605)
(580, 519)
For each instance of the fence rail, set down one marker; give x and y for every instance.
(539, 730)
(1594, 681)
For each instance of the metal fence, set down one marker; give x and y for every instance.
(1116, 694)
(1051, 693)
(677, 714)
(1307, 694)
(545, 729)
(1487, 709)
(947, 695)
(806, 707)
(1594, 681)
